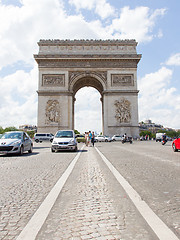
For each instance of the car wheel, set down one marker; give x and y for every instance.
(21, 150)
(36, 140)
(106, 140)
(30, 150)
(75, 150)
(52, 150)
(174, 148)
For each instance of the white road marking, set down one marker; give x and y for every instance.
(157, 225)
(34, 225)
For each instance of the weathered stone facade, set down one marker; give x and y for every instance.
(110, 66)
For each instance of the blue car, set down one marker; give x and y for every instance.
(15, 142)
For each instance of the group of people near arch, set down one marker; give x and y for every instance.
(89, 138)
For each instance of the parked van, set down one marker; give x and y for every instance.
(39, 137)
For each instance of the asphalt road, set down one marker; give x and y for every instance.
(150, 168)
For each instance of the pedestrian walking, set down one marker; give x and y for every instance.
(90, 137)
(86, 138)
(93, 139)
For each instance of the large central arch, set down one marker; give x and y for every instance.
(109, 66)
(87, 79)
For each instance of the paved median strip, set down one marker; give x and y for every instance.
(157, 225)
(34, 225)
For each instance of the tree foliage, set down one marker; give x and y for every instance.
(8, 129)
(171, 134)
(76, 132)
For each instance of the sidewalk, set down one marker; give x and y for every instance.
(93, 206)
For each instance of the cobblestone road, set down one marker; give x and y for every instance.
(154, 171)
(24, 183)
(86, 209)
(92, 204)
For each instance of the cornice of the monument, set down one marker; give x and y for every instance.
(87, 57)
(44, 42)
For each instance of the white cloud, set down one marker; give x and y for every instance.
(22, 27)
(136, 23)
(18, 99)
(88, 110)
(174, 60)
(158, 100)
(101, 7)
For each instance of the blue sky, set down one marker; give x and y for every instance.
(154, 25)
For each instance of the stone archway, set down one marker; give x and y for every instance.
(110, 66)
(87, 79)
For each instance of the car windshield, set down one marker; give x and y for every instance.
(64, 134)
(13, 135)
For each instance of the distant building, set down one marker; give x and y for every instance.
(148, 125)
(28, 128)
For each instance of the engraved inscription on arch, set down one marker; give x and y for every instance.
(57, 80)
(122, 80)
(123, 111)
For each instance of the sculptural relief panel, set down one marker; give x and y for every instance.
(123, 111)
(53, 80)
(52, 112)
(122, 80)
(89, 49)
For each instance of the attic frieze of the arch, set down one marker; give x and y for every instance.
(88, 63)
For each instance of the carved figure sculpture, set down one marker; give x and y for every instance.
(52, 112)
(123, 113)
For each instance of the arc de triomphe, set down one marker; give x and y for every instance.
(110, 66)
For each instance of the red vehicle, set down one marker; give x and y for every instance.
(176, 144)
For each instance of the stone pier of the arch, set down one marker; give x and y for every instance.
(110, 66)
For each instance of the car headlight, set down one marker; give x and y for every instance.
(54, 142)
(72, 141)
(16, 143)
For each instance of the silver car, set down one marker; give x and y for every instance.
(64, 140)
(15, 142)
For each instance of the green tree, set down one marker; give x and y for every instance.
(1, 130)
(76, 132)
(9, 129)
(31, 133)
(171, 134)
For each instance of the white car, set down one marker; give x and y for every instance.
(100, 138)
(64, 140)
(117, 138)
(108, 139)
